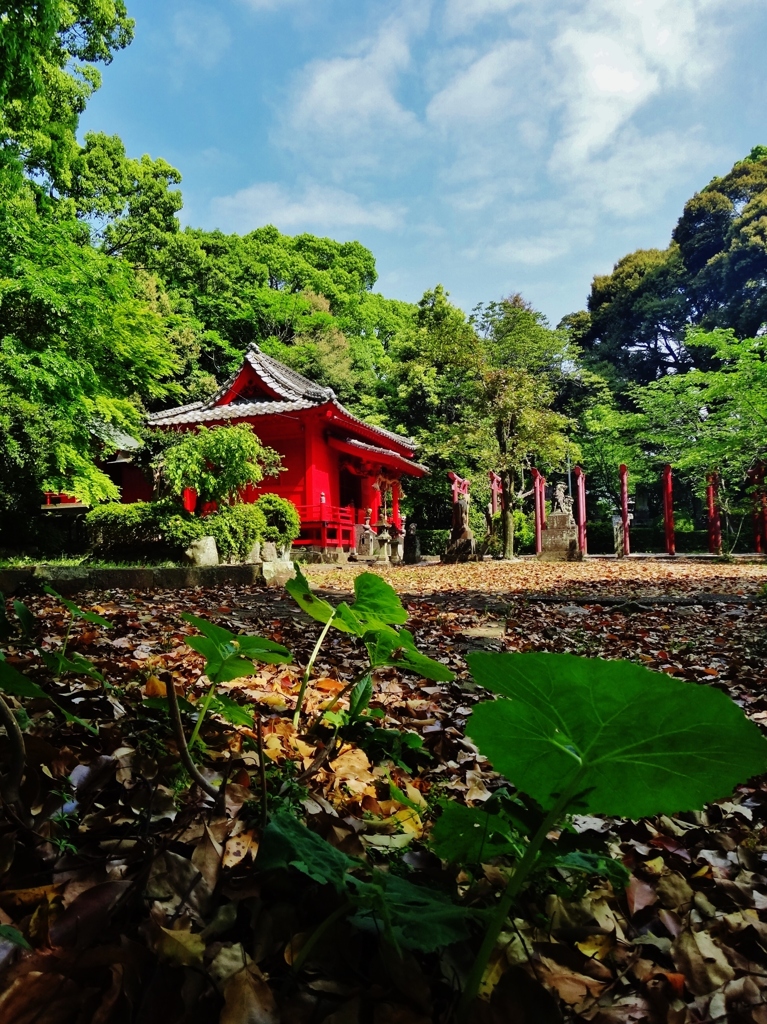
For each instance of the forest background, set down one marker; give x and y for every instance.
(108, 310)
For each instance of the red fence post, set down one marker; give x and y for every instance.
(624, 475)
(668, 510)
(580, 490)
(756, 476)
(537, 495)
(714, 519)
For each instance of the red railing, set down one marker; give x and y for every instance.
(326, 526)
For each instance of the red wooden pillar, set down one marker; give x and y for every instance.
(395, 516)
(714, 519)
(375, 506)
(668, 510)
(580, 491)
(538, 499)
(189, 499)
(624, 475)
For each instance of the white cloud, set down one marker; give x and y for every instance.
(354, 97)
(464, 15)
(201, 36)
(315, 207)
(487, 90)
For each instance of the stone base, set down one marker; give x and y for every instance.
(560, 545)
(325, 556)
(202, 551)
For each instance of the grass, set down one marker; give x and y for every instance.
(85, 561)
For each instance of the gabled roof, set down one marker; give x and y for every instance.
(291, 390)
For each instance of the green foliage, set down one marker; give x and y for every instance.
(408, 915)
(228, 655)
(141, 526)
(236, 529)
(218, 463)
(616, 738)
(283, 523)
(47, 53)
(469, 835)
(376, 609)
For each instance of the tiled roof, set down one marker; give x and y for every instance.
(296, 391)
(199, 413)
(399, 438)
(385, 452)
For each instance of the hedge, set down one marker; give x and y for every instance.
(164, 529)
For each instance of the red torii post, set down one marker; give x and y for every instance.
(624, 475)
(460, 486)
(495, 491)
(395, 495)
(714, 519)
(580, 491)
(668, 510)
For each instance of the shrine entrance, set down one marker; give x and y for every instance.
(350, 489)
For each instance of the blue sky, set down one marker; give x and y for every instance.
(493, 146)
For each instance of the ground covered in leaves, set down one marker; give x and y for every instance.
(141, 900)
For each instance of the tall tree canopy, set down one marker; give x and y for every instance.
(713, 274)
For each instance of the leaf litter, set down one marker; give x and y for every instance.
(139, 899)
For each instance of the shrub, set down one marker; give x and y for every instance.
(283, 524)
(144, 527)
(114, 525)
(236, 528)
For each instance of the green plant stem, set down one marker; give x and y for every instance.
(262, 771)
(513, 887)
(10, 785)
(339, 696)
(308, 670)
(183, 749)
(317, 934)
(203, 711)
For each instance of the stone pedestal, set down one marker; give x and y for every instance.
(559, 541)
(202, 551)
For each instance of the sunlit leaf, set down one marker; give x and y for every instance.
(389, 647)
(633, 742)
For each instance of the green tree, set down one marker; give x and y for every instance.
(48, 53)
(218, 463)
(81, 352)
(524, 364)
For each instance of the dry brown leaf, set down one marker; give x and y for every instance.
(701, 961)
(248, 999)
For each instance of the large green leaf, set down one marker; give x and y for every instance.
(322, 611)
(632, 742)
(288, 843)
(17, 685)
(77, 612)
(413, 915)
(469, 835)
(377, 601)
(397, 648)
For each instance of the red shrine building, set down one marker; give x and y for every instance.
(336, 465)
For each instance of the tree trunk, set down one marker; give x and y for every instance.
(507, 514)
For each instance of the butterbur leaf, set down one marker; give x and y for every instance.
(390, 647)
(77, 612)
(217, 634)
(10, 934)
(631, 742)
(17, 685)
(25, 617)
(233, 712)
(359, 698)
(469, 835)
(263, 650)
(416, 917)
(376, 601)
(288, 843)
(322, 611)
